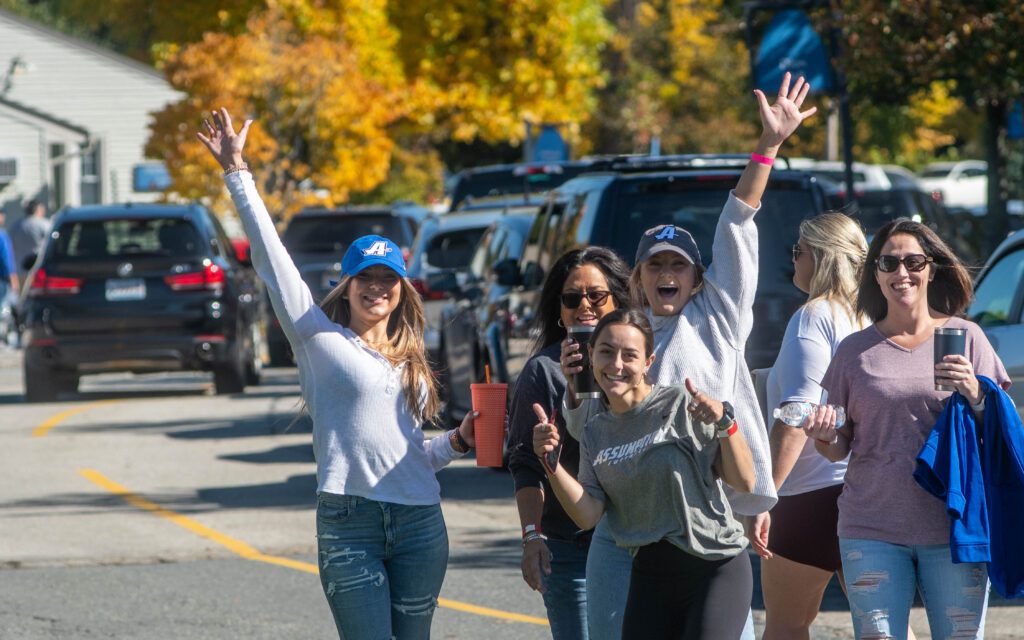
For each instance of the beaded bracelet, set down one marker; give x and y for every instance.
(235, 168)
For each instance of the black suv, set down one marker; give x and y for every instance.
(317, 238)
(140, 288)
(613, 208)
(528, 178)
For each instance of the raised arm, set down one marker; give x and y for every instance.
(584, 509)
(290, 296)
(778, 122)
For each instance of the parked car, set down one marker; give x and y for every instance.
(962, 184)
(479, 314)
(865, 176)
(873, 208)
(530, 178)
(317, 238)
(999, 308)
(613, 208)
(441, 255)
(140, 288)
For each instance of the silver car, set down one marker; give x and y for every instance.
(999, 308)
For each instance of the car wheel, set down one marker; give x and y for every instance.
(229, 377)
(254, 362)
(45, 385)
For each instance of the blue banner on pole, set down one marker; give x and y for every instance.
(550, 146)
(790, 43)
(1015, 121)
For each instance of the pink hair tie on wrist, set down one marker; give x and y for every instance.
(765, 160)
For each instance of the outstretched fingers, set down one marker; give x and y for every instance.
(794, 91)
(784, 87)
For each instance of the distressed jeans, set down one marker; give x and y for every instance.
(881, 579)
(381, 565)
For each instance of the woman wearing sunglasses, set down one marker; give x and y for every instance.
(381, 536)
(583, 286)
(893, 535)
(801, 554)
(702, 317)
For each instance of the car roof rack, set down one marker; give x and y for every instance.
(628, 163)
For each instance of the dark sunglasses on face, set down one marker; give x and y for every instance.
(796, 252)
(914, 262)
(573, 299)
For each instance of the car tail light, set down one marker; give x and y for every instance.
(421, 288)
(44, 284)
(210, 278)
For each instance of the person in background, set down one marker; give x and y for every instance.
(894, 537)
(29, 234)
(583, 286)
(702, 316)
(9, 281)
(652, 464)
(381, 536)
(800, 553)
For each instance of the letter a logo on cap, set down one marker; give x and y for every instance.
(377, 249)
(668, 233)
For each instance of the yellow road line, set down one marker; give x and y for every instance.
(52, 422)
(249, 553)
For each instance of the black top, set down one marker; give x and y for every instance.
(541, 381)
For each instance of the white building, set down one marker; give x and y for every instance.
(74, 118)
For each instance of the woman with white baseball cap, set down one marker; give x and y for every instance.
(702, 316)
(383, 546)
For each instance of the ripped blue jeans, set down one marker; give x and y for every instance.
(381, 565)
(881, 579)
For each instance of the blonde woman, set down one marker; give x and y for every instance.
(382, 541)
(802, 552)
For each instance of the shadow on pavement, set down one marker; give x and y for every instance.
(289, 454)
(491, 554)
(475, 483)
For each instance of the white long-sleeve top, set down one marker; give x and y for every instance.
(705, 343)
(366, 441)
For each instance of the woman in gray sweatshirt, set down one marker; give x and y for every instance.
(702, 316)
(381, 538)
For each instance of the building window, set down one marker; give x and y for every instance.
(91, 174)
(59, 179)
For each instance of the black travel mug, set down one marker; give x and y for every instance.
(584, 382)
(949, 342)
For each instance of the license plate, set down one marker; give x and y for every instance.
(126, 289)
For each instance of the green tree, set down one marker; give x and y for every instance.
(898, 48)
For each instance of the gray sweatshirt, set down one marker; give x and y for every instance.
(366, 441)
(653, 467)
(705, 343)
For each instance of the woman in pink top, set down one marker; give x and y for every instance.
(894, 536)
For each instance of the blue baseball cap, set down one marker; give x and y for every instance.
(370, 250)
(668, 237)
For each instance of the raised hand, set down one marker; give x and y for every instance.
(780, 120)
(224, 144)
(702, 407)
(545, 433)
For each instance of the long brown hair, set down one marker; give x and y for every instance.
(405, 334)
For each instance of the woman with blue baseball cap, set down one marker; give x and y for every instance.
(382, 542)
(701, 316)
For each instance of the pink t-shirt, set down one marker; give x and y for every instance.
(891, 406)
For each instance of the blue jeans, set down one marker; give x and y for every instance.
(881, 579)
(381, 565)
(608, 570)
(565, 591)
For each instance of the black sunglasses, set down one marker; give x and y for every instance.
(914, 262)
(573, 299)
(796, 252)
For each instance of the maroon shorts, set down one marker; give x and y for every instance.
(805, 528)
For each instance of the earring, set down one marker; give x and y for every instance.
(560, 323)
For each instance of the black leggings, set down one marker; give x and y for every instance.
(674, 594)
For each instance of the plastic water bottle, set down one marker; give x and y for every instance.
(795, 413)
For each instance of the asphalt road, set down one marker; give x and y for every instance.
(146, 507)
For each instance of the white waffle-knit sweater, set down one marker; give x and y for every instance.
(705, 343)
(366, 441)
